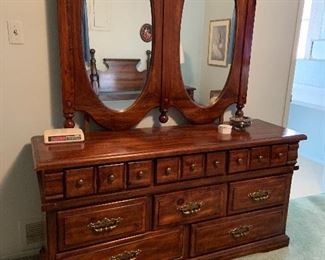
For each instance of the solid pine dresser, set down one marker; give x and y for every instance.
(181, 192)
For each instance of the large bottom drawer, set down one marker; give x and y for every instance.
(164, 245)
(237, 230)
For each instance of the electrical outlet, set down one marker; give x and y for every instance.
(15, 32)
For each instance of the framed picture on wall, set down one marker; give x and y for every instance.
(219, 31)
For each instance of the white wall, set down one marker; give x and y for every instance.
(30, 95)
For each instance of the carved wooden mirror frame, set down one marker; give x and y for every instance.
(164, 87)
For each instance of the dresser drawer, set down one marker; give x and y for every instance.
(258, 193)
(111, 178)
(232, 231)
(168, 170)
(190, 205)
(279, 155)
(260, 157)
(88, 225)
(79, 182)
(216, 163)
(192, 166)
(139, 174)
(238, 160)
(166, 245)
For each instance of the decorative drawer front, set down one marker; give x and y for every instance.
(279, 155)
(53, 186)
(139, 174)
(190, 205)
(79, 182)
(232, 231)
(111, 178)
(192, 166)
(260, 157)
(89, 225)
(168, 170)
(238, 160)
(165, 245)
(216, 163)
(258, 193)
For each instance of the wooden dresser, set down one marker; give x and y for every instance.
(182, 192)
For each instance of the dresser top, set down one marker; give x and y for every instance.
(137, 144)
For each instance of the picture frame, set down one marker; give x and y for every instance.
(219, 34)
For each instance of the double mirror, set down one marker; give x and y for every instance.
(117, 46)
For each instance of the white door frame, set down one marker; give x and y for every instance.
(285, 115)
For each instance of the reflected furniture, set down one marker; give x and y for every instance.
(177, 192)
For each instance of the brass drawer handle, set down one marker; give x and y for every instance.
(111, 178)
(192, 167)
(280, 155)
(106, 224)
(140, 174)
(168, 171)
(260, 157)
(191, 208)
(127, 255)
(260, 195)
(240, 232)
(80, 183)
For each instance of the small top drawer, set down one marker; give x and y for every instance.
(139, 174)
(79, 182)
(258, 193)
(279, 155)
(162, 245)
(260, 157)
(189, 205)
(216, 163)
(100, 223)
(168, 170)
(238, 160)
(192, 166)
(111, 177)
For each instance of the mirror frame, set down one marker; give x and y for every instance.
(77, 94)
(164, 87)
(235, 88)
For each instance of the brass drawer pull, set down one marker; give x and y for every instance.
(240, 160)
(111, 178)
(140, 174)
(216, 163)
(80, 183)
(168, 171)
(280, 155)
(240, 232)
(193, 167)
(106, 224)
(191, 208)
(127, 255)
(260, 157)
(260, 195)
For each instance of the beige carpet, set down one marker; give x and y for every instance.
(306, 229)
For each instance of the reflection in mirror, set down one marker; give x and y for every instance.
(207, 42)
(117, 49)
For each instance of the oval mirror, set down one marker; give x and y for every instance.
(207, 42)
(117, 49)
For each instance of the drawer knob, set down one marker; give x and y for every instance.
(280, 155)
(111, 178)
(240, 232)
(105, 224)
(260, 195)
(127, 255)
(80, 183)
(193, 167)
(260, 157)
(216, 163)
(240, 160)
(168, 171)
(190, 208)
(140, 174)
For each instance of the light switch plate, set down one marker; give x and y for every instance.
(15, 32)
